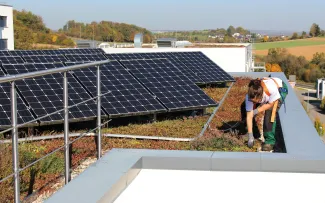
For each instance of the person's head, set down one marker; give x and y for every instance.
(255, 91)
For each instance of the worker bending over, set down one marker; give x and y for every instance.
(266, 94)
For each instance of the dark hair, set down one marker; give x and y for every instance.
(255, 89)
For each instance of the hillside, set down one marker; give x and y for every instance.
(30, 31)
(106, 31)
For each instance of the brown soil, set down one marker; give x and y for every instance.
(306, 51)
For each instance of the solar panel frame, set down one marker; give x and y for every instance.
(127, 98)
(171, 87)
(11, 60)
(45, 59)
(23, 113)
(44, 94)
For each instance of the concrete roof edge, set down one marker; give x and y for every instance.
(116, 169)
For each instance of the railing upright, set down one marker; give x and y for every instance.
(66, 128)
(99, 132)
(15, 154)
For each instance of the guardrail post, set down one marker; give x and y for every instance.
(14, 134)
(66, 129)
(99, 120)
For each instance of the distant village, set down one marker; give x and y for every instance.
(247, 37)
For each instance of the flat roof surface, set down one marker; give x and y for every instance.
(175, 186)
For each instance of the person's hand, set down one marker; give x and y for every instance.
(255, 112)
(250, 142)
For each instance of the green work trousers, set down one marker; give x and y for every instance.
(268, 126)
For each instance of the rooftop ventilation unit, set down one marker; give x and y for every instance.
(167, 42)
(320, 87)
(138, 40)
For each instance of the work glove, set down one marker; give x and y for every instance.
(250, 140)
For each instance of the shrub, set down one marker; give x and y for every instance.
(322, 105)
(319, 126)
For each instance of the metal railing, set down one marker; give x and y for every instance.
(14, 129)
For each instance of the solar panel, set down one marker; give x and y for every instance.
(179, 64)
(23, 114)
(45, 59)
(54, 52)
(127, 97)
(26, 52)
(45, 94)
(73, 51)
(195, 65)
(89, 51)
(128, 56)
(168, 83)
(4, 53)
(85, 57)
(11, 60)
(204, 67)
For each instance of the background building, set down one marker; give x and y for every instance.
(6, 27)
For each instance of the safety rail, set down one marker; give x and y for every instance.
(15, 126)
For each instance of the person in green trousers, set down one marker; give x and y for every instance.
(264, 95)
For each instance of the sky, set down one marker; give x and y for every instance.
(279, 15)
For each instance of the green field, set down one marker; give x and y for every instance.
(288, 44)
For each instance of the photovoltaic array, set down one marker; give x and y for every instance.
(203, 67)
(11, 60)
(168, 84)
(23, 113)
(128, 96)
(133, 83)
(198, 67)
(85, 57)
(45, 58)
(45, 94)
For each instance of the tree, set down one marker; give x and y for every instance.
(314, 30)
(306, 76)
(268, 67)
(265, 38)
(294, 35)
(229, 39)
(231, 30)
(276, 68)
(303, 34)
(318, 58)
(23, 37)
(322, 33)
(241, 30)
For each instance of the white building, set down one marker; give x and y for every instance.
(6, 27)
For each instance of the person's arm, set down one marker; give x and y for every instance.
(265, 107)
(249, 121)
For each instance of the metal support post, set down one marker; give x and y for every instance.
(99, 121)
(66, 129)
(14, 135)
(154, 117)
